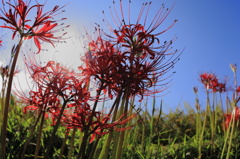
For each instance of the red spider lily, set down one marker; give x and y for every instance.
(100, 124)
(103, 127)
(119, 72)
(210, 81)
(138, 38)
(56, 85)
(103, 64)
(41, 101)
(230, 117)
(53, 76)
(132, 56)
(238, 89)
(221, 87)
(42, 28)
(44, 34)
(141, 74)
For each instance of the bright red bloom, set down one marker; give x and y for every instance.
(119, 72)
(44, 34)
(221, 87)
(103, 62)
(137, 38)
(210, 81)
(229, 117)
(238, 89)
(55, 86)
(135, 58)
(42, 28)
(99, 126)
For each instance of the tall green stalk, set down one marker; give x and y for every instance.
(83, 146)
(70, 152)
(107, 142)
(38, 145)
(122, 133)
(30, 136)
(7, 101)
(63, 145)
(204, 125)
(55, 129)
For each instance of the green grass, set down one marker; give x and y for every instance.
(155, 134)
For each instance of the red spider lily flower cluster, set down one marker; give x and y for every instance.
(57, 86)
(137, 38)
(100, 124)
(54, 83)
(237, 91)
(133, 59)
(103, 62)
(230, 117)
(42, 28)
(211, 81)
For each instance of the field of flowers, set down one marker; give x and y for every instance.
(102, 110)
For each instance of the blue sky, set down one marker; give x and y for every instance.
(208, 30)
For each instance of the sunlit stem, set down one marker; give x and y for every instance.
(130, 113)
(235, 85)
(204, 125)
(121, 139)
(213, 120)
(144, 120)
(228, 137)
(221, 104)
(4, 82)
(198, 118)
(231, 135)
(117, 133)
(105, 149)
(7, 101)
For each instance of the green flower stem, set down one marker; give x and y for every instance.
(55, 129)
(105, 149)
(203, 126)
(63, 146)
(72, 143)
(30, 136)
(39, 137)
(7, 101)
(231, 134)
(122, 133)
(86, 131)
(91, 156)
